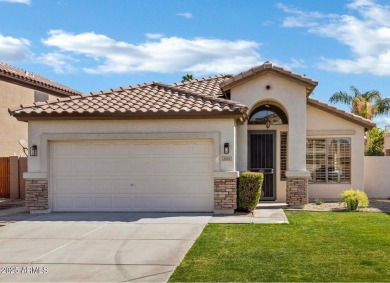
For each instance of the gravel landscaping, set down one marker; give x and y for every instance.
(376, 205)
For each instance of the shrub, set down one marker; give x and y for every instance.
(354, 199)
(249, 186)
(318, 201)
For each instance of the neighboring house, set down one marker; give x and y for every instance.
(180, 147)
(19, 87)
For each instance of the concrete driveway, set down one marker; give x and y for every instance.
(109, 247)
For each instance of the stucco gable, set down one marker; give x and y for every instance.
(367, 124)
(265, 68)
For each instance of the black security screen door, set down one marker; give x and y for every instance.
(262, 159)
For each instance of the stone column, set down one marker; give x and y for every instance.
(37, 194)
(297, 193)
(37, 197)
(225, 192)
(297, 188)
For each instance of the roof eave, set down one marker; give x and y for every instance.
(238, 114)
(36, 86)
(368, 125)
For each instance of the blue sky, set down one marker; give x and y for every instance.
(94, 45)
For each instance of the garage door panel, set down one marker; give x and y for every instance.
(63, 185)
(84, 185)
(162, 166)
(201, 185)
(103, 202)
(91, 167)
(132, 176)
(200, 150)
(83, 202)
(123, 166)
(201, 165)
(122, 203)
(101, 149)
(62, 150)
(64, 203)
(141, 204)
(62, 167)
(140, 185)
(141, 166)
(82, 150)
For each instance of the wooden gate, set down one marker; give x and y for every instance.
(4, 177)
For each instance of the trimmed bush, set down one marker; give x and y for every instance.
(354, 199)
(248, 194)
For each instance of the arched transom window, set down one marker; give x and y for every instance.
(268, 113)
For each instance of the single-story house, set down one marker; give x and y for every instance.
(180, 147)
(17, 87)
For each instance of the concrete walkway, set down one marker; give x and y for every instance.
(259, 216)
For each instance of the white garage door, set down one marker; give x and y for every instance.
(140, 175)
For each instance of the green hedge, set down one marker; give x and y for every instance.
(249, 187)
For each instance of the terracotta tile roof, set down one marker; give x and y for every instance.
(28, 79)
(367, 124)
(208, 85)
(153, 100)
(268, 67)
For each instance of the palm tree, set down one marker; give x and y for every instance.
(187, 78)
(367, 105)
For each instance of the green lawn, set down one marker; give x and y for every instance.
(315, 246)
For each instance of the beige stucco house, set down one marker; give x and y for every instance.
(180, 147)
(19, 87)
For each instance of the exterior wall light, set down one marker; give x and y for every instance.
(34, 150)
(226, 148)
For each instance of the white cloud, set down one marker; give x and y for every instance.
(154, 35)
(165, 55)
(381, 122)
(14, 49)
(186, 15)
(366, 31)
(27, 2)
(58, 61)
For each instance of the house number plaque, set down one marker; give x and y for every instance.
(227, 158)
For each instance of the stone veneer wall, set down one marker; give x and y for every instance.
(37, 197)
(225, 194)
(297, 193)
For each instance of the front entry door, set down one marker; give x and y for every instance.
(262, 147)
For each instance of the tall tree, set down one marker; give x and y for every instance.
(187, 78)
(368, 104)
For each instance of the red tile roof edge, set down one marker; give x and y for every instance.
(20, 76)
(242, 108)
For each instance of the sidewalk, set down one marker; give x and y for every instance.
(259, 216)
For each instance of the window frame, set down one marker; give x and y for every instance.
(322, 155)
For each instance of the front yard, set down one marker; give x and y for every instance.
(315, 246)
